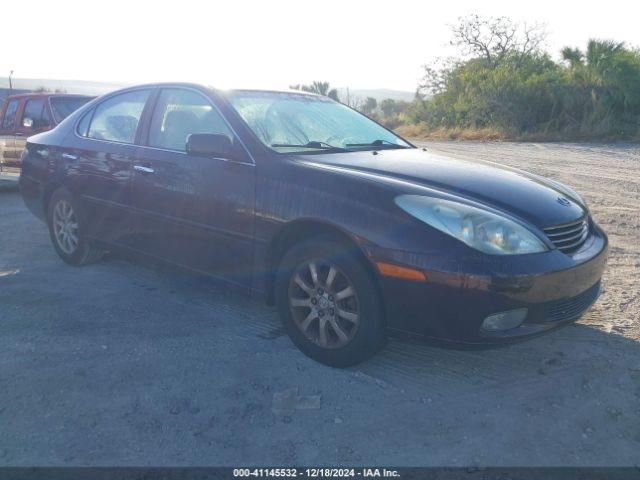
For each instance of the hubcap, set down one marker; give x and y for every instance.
(65, 227)
(324, 304)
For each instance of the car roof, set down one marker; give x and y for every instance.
(47, 94)
(263, 90)
(221, 90)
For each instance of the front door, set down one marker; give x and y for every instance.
(194, 211)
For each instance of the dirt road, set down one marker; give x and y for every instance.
(128, 364)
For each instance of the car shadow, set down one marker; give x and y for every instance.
(574, 351)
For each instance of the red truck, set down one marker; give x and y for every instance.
(26, 114)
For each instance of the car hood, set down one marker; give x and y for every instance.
(530, 197)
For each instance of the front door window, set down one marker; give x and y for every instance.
(179, 113)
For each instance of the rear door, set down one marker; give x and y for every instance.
(8, 127)
(100, 163)
(195, 211)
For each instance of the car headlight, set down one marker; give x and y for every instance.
(478, 228)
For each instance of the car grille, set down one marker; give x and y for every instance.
(570, 236)
(572, 308)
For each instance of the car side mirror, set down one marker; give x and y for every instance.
(209, 145)
(27, 122)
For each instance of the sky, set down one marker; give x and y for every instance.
(271, 44)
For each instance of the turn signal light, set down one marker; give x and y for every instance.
(390, 270)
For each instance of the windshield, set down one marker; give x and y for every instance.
(299, 123)
(64, 106)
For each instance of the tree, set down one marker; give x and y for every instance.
(495, 38)
(510, 86)
(436, 76)
(573, 56)
(601, 56)
(320, 88)
(369, 105)
(603, 62)
(388, 107)
(355, 102)
(392, 108)
(609, 73)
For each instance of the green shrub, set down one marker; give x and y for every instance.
(595, 94)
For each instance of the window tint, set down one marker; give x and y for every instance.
(37, 112)
(64, 106)
(9, 120)
(179, 113)
(117, 119)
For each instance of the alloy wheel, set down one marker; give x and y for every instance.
(324, 304)
(65, 227)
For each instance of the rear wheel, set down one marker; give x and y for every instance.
(329, 303)
(66, 230)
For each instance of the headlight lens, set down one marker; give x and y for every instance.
(480, 229)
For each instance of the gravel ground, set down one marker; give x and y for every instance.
(124, 363)
(8, 182)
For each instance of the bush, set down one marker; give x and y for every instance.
(517, 91)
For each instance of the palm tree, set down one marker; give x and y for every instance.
(574, 56)
(601, 57)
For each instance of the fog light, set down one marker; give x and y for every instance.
(504, 320)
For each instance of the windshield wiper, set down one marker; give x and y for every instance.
(376, 143)
(312, 144)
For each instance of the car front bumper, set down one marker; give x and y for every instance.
(459, 293)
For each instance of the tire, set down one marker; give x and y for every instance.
(78, 252)
(306, 304)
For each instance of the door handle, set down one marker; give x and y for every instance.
(143, 169)
(19, 134)
(69, 156)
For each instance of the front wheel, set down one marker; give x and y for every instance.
(66, 230)
(329, 303)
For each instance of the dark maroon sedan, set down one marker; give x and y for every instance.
(351, 230)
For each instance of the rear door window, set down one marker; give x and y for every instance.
(9, 120)
(36, 110)
(117, 118)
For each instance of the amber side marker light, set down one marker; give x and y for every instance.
(390, 270)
